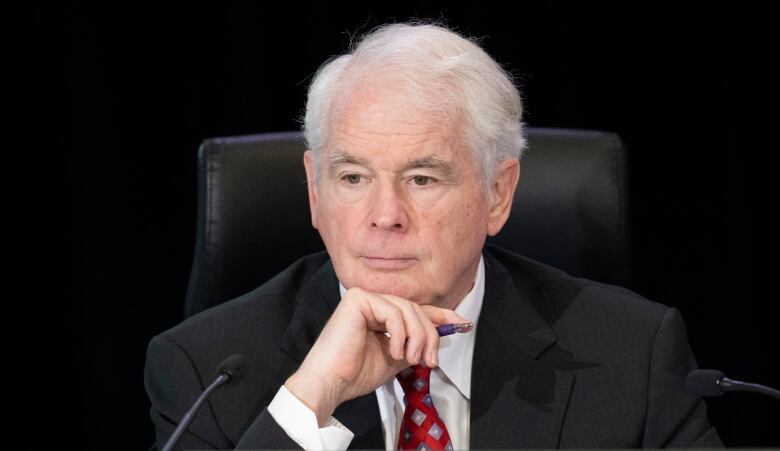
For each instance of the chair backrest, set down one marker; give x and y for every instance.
(570, 210)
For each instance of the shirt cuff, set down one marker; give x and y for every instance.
(300, 424)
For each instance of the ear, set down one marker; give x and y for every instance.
(502, 192)
(311, 184)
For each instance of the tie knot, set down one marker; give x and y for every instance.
(415, 379)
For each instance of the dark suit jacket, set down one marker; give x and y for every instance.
(558, 362)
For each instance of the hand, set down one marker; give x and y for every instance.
(353, 356)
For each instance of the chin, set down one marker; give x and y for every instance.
(392, 284)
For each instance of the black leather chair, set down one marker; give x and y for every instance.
(570, 210)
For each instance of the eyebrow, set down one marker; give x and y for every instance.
(428, 162)
(344, 158)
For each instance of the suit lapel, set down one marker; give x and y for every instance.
(516, 400)
(314, 305)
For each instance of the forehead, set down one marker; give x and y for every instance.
(386, 120)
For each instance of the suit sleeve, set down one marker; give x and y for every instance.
(173, 384)
(675, 418)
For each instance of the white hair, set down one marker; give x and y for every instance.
(441, 71)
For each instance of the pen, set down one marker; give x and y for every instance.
(449, 329)
(453, 328)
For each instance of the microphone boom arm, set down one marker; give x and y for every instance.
(187, 419)
(727, 384)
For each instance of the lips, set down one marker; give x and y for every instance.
(388, 263)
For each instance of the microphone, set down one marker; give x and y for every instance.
(712, 383)
(229, 373)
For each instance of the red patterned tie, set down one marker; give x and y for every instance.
(421, 427)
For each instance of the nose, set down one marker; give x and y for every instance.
(388, 210)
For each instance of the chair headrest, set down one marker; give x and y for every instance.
(569, 211)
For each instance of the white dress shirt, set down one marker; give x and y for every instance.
(450, 389)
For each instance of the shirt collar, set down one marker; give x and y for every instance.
(456, 351)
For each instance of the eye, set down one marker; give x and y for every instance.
(422, 180)
(352, 179)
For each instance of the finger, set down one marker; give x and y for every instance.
(431, 351)
(416, 335)
(387, 314)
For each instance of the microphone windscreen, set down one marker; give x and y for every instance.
(704, 382)
(234, 366)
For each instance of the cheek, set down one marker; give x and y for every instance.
(469, 217)
(459, 229)
(337, 222)
(327, 216)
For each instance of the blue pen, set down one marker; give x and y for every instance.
(449, 329)
(454, 328)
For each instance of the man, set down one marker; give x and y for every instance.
(415, 139)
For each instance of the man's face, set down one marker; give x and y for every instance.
(399, 202)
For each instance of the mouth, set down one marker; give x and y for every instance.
(388, 263)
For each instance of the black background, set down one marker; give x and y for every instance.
(117, 99)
